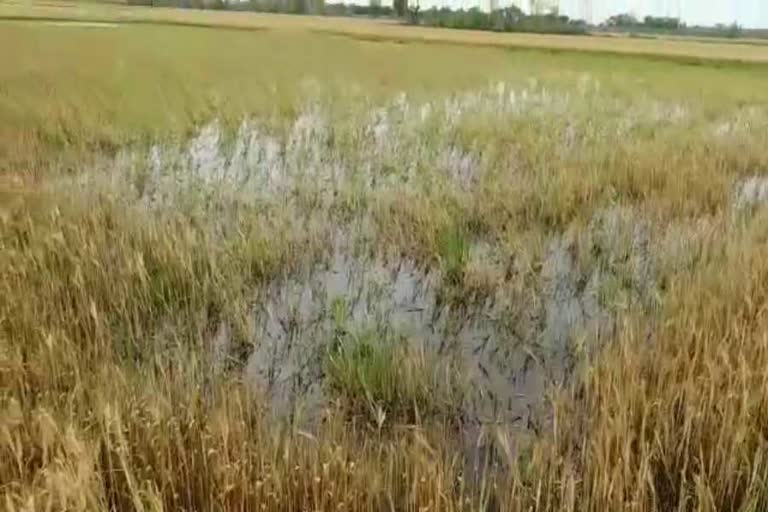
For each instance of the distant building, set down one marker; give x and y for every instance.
(529, 6)
(544, 6)
(587, 11)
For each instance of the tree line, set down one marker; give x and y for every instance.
(508, 19)
(667, 25)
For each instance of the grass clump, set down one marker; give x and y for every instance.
(453, 250)
(389, 381)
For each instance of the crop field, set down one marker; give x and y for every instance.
(686, 48)
(348, 265)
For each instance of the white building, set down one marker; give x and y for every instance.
(544, 6)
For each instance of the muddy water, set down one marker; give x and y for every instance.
(510, 350)
(751, 191)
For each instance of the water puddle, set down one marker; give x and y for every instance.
(511, 347)
(751, 192)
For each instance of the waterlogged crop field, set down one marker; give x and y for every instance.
(289, 270)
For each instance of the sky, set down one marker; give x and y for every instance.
(747, 13)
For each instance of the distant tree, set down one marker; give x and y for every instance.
(734, 30)
(413, 13)
(513, 15)
(295, 6)
(508, 19)
(401, 8)
(374, 8)
(478, 19)
(662, 22)
(622, 20)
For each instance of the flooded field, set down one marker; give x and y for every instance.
(503, 328)
(351, 291)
